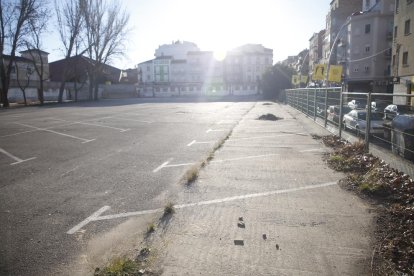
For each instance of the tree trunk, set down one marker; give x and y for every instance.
(61, 89)
(5, 90)
(24, 96)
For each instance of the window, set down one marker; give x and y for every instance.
(405, 59)
(367, 4)
(367, 48)
(366, 68)
(393, 60)
(148, 68)
(367, 28)
(13, 70)
(395, 31)
(356, 69)
(407, 27)
(397, 5)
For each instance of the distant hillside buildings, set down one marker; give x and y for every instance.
(181, 68)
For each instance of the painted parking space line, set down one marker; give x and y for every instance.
(168, 165)
(222, 122)
(244, 158)
(162, 165)
(93, 124)
(214, 130)
(261, 137)
(133, 120)
(15, 158)
(97, 215)
(195, 142)
(313, 150)
(58, 133)
(87, 220)
(33, 130)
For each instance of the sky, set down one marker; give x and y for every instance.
(215, 25)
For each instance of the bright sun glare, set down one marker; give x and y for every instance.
(219, 55)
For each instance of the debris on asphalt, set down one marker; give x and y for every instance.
(264, 236)
(269, 117)
(277, 247)
(239, 242)
(240, 218)
(391, 191)
(241, 224)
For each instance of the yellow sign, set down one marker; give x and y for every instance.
(335, 73)
(295, 79)
(304, 79)
(319, 72)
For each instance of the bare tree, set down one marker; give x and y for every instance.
(33, 45)
(106, 33)
(15, 18)
(70, 17)
(23, 85)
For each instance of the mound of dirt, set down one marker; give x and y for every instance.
(269, 117)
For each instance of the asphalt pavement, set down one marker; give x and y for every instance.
(63, 166)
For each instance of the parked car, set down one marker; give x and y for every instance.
(355, 104)
(393, 110)
(357, 120)
(333, 112)
(402, 135)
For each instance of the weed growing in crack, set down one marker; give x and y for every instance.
(169, 209)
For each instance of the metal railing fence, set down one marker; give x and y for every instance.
(388, 120)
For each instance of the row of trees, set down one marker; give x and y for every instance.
(96, 28)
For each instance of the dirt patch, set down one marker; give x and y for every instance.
(391, 192)
(269, 117)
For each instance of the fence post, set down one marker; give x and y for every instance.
(326, 107)
(341, 110)
(307, 102)
(314, 104)
(368, 123)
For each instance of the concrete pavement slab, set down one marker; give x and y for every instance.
(318, 231)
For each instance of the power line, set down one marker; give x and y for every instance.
(374, 55)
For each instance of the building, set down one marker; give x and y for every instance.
(77, 68)
(339, 12)
(315, 50)
(244, 66)
(199, 73)
(177, 49)
(364, 50)
(26, 67)
(403, 49)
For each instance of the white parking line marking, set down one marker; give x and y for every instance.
(167, 165)
(243, 158)
(225, 122)
(15, 158)
(96, 216)
(59, 133)
(191, 143)
(139, 121)
(162, 165)
(195, 142)
(214, 130)
(310, 150)
(92, 124)
(87, 220)
(261, 137)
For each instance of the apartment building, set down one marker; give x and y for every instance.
(336, 18)
(315, 50)
(364, 50)
(245, 65)
(403, 48)
(198, 73)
